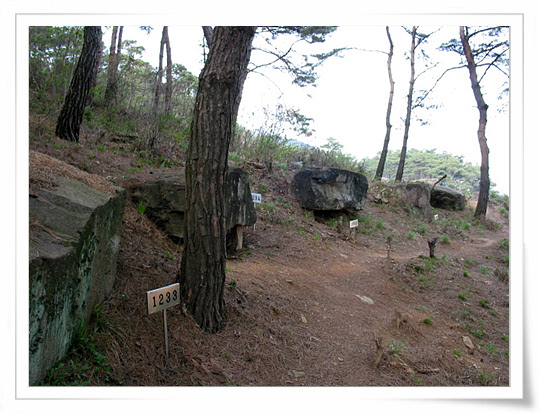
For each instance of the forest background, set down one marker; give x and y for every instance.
(347, 104)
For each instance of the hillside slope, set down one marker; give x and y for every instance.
(308, 302)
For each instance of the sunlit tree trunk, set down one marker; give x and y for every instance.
(484, 184)
(202, 274)
(70, 118)
(383, 155)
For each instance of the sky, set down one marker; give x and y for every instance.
(350, 100)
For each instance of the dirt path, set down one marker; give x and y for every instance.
(343, 299)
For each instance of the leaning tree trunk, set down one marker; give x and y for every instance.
(484, 183)
(70, 118)
(202, 273)
(383, 155)
(402, 160)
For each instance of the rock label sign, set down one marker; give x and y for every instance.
(163, 298)
(354, 223)
(257, 198)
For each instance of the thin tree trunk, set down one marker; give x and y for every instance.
(159, 74)
(70, 118)
(168, 90)
(484, 184)
(383, 155)
(154, 127)
(202, 274)
(114, 60)
(402, 160)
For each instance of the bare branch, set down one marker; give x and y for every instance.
(422, 98)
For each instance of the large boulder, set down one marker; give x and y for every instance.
(163, 201)
(240, 208)
(74, 243)
(447, 198)
(413, 197)
(329, 189)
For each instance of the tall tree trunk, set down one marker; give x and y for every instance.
(484, 183)
(158, 83)
(70, 118)
(202, 274)
(383, 155)
(154, 127)
(114, 60)
(168, 90)
(402, 160)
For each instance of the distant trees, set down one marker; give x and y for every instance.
(120, 99)
(70, 118)
(430, 164)
(53, 55)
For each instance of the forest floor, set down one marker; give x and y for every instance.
(309, 302)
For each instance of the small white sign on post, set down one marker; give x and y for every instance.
(354, 223)
(257, 198)
(161, 299)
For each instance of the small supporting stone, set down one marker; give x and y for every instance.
(398, 319)
(432, 246)
(239, 237)
(379, 352)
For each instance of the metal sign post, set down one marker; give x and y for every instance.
(161, 299)
(353, 225)
(166, 330)
(257, 199)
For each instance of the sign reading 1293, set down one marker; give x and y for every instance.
(163, 298)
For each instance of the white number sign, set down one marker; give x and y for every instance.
(354, 223)
(163, 298)
(257, 198)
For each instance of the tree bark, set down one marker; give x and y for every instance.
(402, 160)
(70, 118)
(484, 183)
(202, 273)
(98, 61)
(383, 155)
